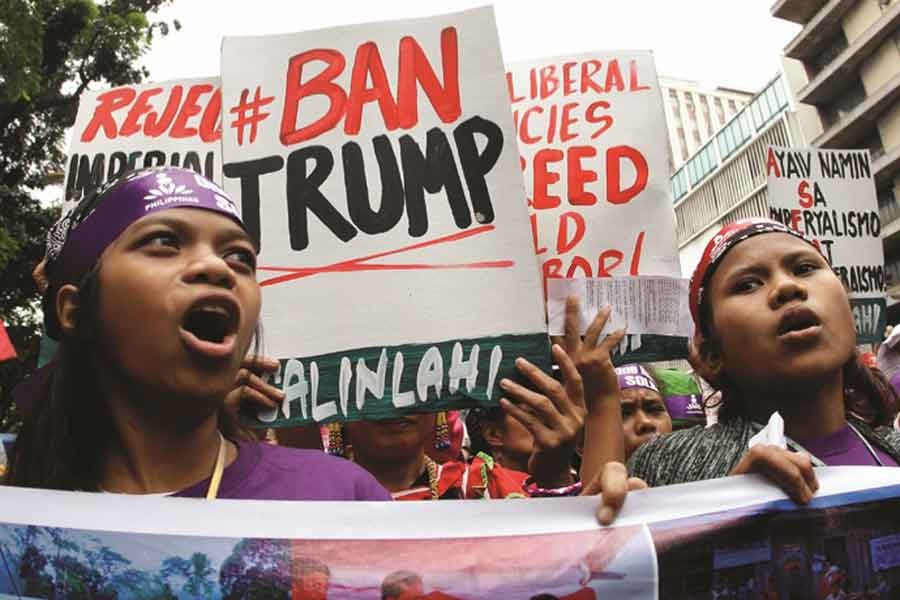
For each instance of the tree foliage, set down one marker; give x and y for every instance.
(50, 52)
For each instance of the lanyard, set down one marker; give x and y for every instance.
(216, 480)
(867, 444)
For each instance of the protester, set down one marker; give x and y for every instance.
(644, 413)
(774, 332)
(394, 450)
(153, 296)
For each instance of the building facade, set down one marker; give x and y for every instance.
(848, 75)
(695, 113)
(725, 179)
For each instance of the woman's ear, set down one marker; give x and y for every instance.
(68, 307)
(706, 358)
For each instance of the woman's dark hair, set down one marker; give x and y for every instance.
(475, 421)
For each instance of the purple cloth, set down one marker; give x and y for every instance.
(265, 472)
(845, 447)
(78, 239)
(685, 407)
(635, 376)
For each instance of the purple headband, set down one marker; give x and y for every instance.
(635, 376)
(78, 239)
(685, 407)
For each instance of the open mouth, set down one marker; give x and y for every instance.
(798, 322)
(209, 327)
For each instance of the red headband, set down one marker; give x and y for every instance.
(720, 244)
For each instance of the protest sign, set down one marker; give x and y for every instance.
(829, 195)
(592, 139)
(376, 165)
(665, 544)
(174, 123)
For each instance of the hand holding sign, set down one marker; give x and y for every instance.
(554, 415)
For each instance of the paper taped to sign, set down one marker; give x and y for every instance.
(639, 305)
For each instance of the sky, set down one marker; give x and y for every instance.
(729, 43)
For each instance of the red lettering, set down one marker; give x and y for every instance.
(605, 121)
(796, 217)
(636, 257)
(512, 93)
(210, 125)
(614, 192)
(141, 106)
(633, 76)
(524, 134)
(110, 102)
(414, 67)
(772, 164)
(565, 242)
(323, 84)
(589, 68)
(188, 110)
(567, 120)
(154, 127)
(568, 79)
(549, 81)
(614, 77)
(806, 199)
(578, 262)
(579, 176)
(368, 63)
(603, 270)
(544, 178)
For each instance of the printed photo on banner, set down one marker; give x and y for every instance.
(852, 548)
(592, 138)
(377, 168)
(829, 196)
(46, 562)
(747, 541)
(173, 123)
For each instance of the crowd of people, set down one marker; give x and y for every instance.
(156, 306)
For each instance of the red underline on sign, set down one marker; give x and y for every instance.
(359, 264)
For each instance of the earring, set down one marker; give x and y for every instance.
(336, 440)
(441, 431)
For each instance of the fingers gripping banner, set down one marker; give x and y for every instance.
(377, 167)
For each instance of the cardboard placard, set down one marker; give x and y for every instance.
(173, 123)
(376, 165)
(594, 153)
(829, 196)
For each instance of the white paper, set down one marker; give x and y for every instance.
(657, 305)
(770, 435)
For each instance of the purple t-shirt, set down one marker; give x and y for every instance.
(265, 472)
(845, 447)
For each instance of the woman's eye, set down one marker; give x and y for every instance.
(806, 267)
(243, 257)
(160, 239)
(747, 285)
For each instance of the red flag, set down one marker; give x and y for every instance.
(7, 351)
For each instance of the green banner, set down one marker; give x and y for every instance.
(387, 381)
(650, 348)
(870, 317)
